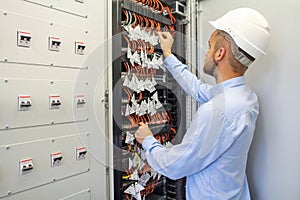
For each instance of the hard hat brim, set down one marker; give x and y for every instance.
(215, 24)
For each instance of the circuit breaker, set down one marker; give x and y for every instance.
(143, 92)
(56, 159)
(79, 47)
(54, 43)
(54, 101)
(23, 38)
(24, 102)
(26, 166)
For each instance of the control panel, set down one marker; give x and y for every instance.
(44, 120)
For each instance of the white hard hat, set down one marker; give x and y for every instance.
(248, 28)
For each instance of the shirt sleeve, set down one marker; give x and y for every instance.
(204, 142)
(187, 80)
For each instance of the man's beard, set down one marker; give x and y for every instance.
(209, 66)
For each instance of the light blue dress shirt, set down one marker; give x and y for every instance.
(213, 152)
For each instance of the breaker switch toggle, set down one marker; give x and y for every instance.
(80, 101)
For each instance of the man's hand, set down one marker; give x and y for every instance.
(166, 42)
(142, 132)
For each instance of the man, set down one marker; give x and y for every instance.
(213, 152)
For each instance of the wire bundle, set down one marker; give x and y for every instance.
(141, 101)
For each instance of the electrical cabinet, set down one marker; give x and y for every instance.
(144, 92)
(48, 125)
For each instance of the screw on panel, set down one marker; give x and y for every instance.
(51, 82)
(89, 190)
(6, 126)
(7, 147)
(52, 140)
(5, 80)
(8, 192)
(86, 16)
(52, 122)
(87, 119)
(87, 134)
(5, 59)
(86, 32)
(51, 24)
(54, 179)
(86, 83)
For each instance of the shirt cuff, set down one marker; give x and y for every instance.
(148, 142)
(168, 59)
(171, 61)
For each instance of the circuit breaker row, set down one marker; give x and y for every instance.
(26, 165)
(55, 102)
(57, 157)
(47, 43)
(24, 39)
(36, 100)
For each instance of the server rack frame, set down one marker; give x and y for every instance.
(169, 185)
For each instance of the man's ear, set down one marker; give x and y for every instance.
(220, 54)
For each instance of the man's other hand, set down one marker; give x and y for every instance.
(142, 132)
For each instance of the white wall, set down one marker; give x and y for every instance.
(274, 160)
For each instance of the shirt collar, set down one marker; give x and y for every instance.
(234, 82)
